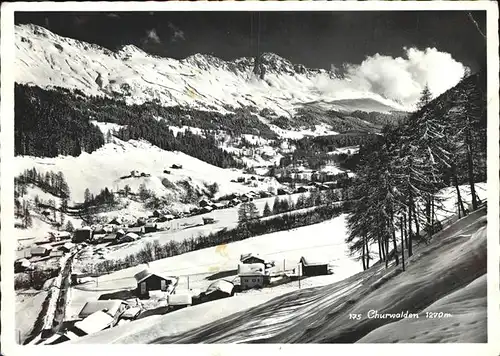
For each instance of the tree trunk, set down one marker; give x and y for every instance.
(386, 246)
(428, 214)
(470, 165)
(415, 217)
(394, 240)
(402, 245)
(432, 217)
(405, 229)
(363, 255)
(410, 240)
(459, 196)
(367, 255)
(380, 250)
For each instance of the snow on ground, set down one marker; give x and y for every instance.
(324, 241)
(183, 129)
(200, 81)
(345, 150)
(106, 127)
(104, 167)
(178, 321)
(466, 322)
(297, 134)
(28, 306)
(433, 281)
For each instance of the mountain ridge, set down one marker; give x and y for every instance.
(269, 81)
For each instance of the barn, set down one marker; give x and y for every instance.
(148, 281)
(150, 227)
(114, 308)
(83, 234)
(313, 267)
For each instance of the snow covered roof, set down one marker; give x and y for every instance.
(313, 261)
(146, 273)
(132, 235)
(95, 322)
(179, 299)
(131, 312)
(111, 306)
(222, 285)
(247, 256)
(251, 269)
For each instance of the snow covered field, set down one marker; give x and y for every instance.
(104, 167)
(448, 275)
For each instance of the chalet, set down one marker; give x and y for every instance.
(148, 281)
(131, 313)
(218, 206)
(206, 209)
(248, 258)
(95, 322)
(251, 275)
(164, 218)
(217, 290)
(208, 220)
(176, 166)
(302, 189)
(109, 238)
(134, 173)
(46, 212)
(41, 251)
(59, 235)
(150, 227)
(235, 202)
(22, 265)
(97, 238)
(246, 198)
(116, 221)
(135, 230)
(166, 171)
(67, 247)
(56, 253)
(313, 267)
(120, 233)
(179, 301)
(204, 202)
(129, 237)
(283, 191)
(265, 194)
(112, 307)
(83, 234)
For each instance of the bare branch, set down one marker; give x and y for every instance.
(476, 24)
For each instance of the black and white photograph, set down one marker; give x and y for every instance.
(251, 177)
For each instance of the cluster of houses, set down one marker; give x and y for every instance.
(257, 272)
(59, 244)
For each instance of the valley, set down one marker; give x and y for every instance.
(248, 200)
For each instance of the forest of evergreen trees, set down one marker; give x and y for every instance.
(159, 134)
(441, 145)
(48, 125)
(50, 182)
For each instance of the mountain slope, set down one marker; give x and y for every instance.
(199, 81)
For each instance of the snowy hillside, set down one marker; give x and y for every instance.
(199, 81)
(434, 281)
(104, 167)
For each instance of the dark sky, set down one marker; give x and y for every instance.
(315, 39)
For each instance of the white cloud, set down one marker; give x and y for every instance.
(402, 79)
(153, 36)
(177, 33)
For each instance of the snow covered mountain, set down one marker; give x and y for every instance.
(200, 81)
